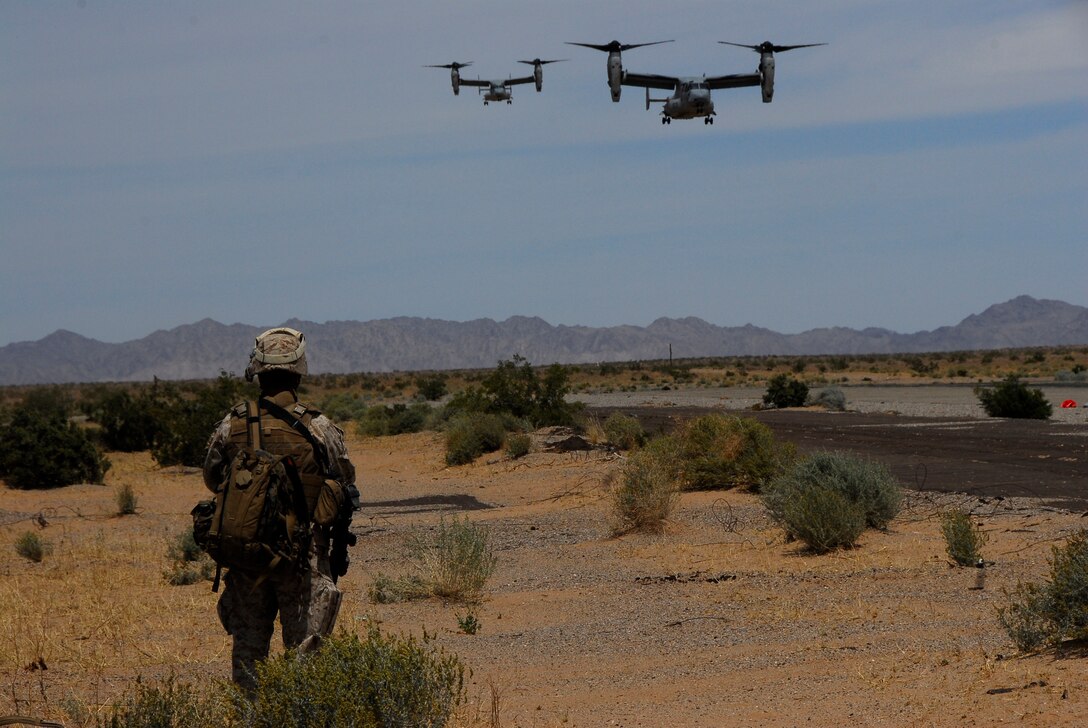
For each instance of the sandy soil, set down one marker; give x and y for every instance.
(717, 622)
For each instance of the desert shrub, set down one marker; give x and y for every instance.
(514, 388)
(717, 451)
(623, 431)
(646, 492)
(865, 482)
(864, 485)
(831, 399)
(189, 563)
(343, 407)
(785, 391)
(126, 500)
(470, 435)
(518, 445)
(128, 423)
(32, 547)
(1013, 398)
(453, 562)
(171, 704)
(822, 519)
(396, 419)
(962, 537)
(1057, 610)
(432, 387)
(42, 449)
(188, 419)
(375, 682)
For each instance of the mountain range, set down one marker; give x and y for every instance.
(203, 349)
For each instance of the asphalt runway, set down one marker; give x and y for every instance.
(983, 457)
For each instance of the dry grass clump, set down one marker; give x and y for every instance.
(720, 452)
(453, 562)
(645, 493)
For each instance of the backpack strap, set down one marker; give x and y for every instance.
(253, 425)
(297, 425)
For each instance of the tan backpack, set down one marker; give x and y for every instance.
(259, 521)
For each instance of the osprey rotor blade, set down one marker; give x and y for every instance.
(455, 65)
(769, 47)
(615, 46)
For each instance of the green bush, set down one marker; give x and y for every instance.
(785, 391)
(518, 445)
(343, 407)
(822, 519)
(864, 485)
(376, 682)
(187, 419)
(42, 449)
(469, 436)
(718, 451)
(31, 546)
(432, 387)
(962, 537)
(515, 389)
(1012, 398)
(454, 562)
(1057, 610)
(623, 431)
(394, 419)
(646, 493)
(128, 423)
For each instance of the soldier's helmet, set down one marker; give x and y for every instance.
(280, 348)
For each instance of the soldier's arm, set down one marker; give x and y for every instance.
(332, 437)
(215, 462)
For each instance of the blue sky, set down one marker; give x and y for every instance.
(257, 161)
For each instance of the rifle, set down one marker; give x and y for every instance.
(342, 537)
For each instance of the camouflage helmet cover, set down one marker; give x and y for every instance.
(279, 348)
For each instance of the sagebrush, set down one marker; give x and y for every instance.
(799, 500)
(1055, 611)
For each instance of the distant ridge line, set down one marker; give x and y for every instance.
(202, 349)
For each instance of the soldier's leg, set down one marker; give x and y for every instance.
(248, 614)
(309, 603)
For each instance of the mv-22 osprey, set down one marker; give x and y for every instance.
(499, 90)
(691, 94)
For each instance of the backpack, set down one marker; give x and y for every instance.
(259, 521)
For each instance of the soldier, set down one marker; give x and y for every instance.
(306, 598)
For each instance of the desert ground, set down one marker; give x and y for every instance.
(717, 622)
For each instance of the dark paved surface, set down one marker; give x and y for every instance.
(991, 457)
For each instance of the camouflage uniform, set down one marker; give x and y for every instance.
(307, 600)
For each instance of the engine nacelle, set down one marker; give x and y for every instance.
(538, 76)
(455, 79)
(615, 74)
(766, 73)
